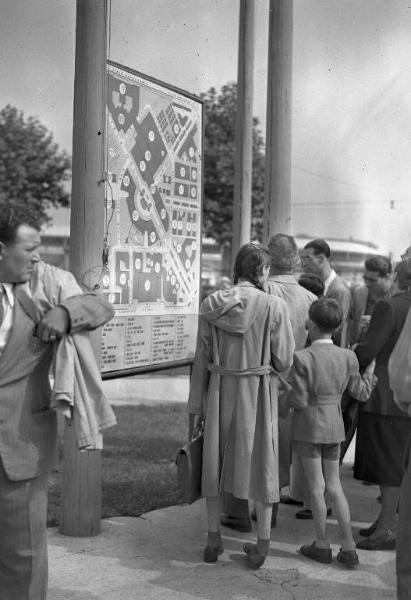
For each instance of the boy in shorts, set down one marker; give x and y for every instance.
(319, 376)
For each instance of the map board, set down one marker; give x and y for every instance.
(153, 224)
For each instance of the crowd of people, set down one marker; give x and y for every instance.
(284, 371)
(274, 357)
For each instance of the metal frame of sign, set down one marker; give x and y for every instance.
(154, 144)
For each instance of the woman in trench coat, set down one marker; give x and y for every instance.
(244, 339)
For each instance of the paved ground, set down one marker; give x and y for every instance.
(159, 555)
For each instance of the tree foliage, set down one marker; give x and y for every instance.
(219, 151)
(33, 170)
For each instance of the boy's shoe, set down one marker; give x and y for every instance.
(254, 559)
(348, 557)
(321, 555)
(210, 554)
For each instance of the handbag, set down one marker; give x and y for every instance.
(189, 461)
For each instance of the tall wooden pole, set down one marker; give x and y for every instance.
(81, 493)
(277, 200)
(243, 166)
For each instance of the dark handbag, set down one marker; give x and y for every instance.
(189, 461)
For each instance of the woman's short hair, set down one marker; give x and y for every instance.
(379, 264)
(326, 313)
(284, 252)
(312, 283)
(249, 263)
(403, 271)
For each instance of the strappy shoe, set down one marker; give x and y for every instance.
(386, 541)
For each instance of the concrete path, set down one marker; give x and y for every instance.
(159, 555)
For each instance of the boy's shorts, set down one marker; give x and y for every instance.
(312, 450)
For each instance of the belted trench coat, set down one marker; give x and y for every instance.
(244, 339)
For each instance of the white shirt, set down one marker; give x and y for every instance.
(8, 307)
(329, 281)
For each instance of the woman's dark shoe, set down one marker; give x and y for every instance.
(306, 513)
(366, 532)
(289, 500)
(322, 555)
(348, 557)
(211, 554)
(237, 523)
(254, 559)
(386, 541)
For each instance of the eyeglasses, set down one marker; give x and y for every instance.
(370, 279)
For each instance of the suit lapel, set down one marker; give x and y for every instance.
(22, 345)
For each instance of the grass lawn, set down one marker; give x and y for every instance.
(138, 461)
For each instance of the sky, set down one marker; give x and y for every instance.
(351, 117)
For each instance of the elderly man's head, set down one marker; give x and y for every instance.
(284, 253)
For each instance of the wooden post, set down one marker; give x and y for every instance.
(277, 200)
(243, 167)
(81, 493)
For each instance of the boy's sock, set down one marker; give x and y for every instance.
(263, 546)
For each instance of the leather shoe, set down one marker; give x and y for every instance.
(211, 553)
(306, 513)
(237, 523)
(322, 555)
(254, 559)
(348, 557)
(367, 531)
(289, 500)
(386, 541)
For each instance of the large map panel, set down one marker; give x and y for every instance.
(153, 222)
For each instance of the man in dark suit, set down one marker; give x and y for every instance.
(315, 258)
(28, 431)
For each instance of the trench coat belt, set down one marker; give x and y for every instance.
(326, 399)
(263, 370)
